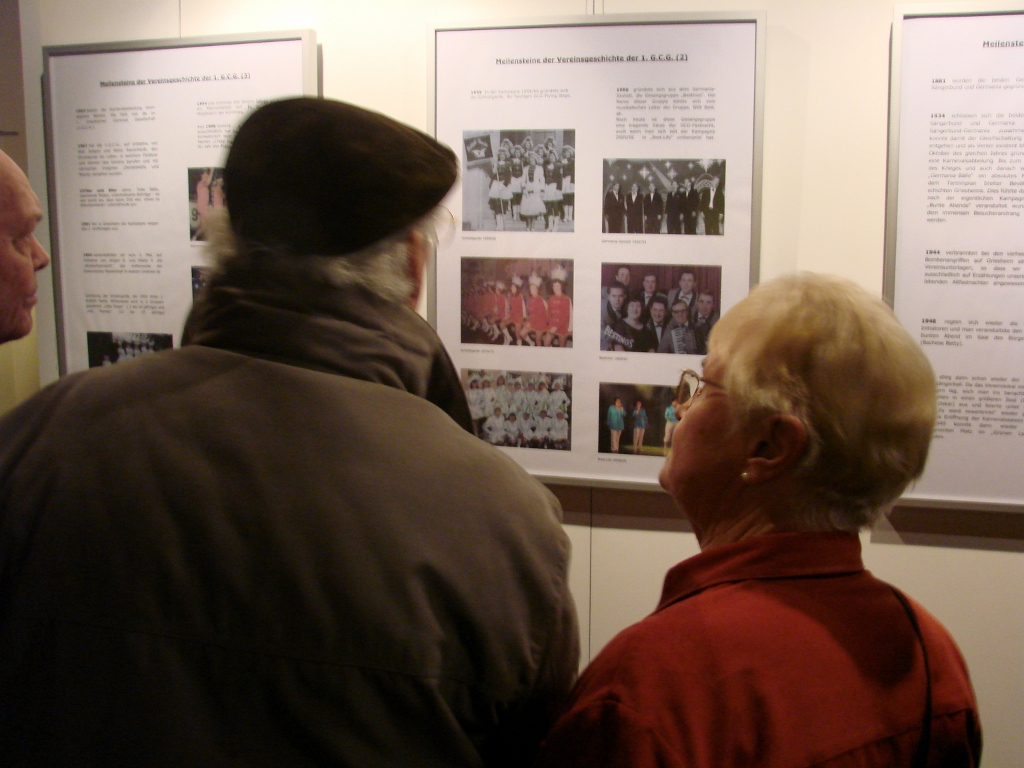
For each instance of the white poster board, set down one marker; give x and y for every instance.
(955, 240)
(526, 297)
(137, 134)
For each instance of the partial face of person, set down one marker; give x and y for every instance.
(21, 255)
(615, 188)
(634, 189)
(634, 310)
(679, 312)
(618, 403)
(622, 275)
(707, 453)
(534, 289)
(650, 283)
(686, 282)
(675, 186)
(557, 287)
(615, 297)
(658, 313)
(705, 304)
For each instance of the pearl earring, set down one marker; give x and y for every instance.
(744, 476)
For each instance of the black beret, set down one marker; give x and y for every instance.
(320, 177)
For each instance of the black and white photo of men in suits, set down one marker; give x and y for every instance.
(712, 206)
(634, 204)
(614, 210)
(663, 196)
(691, 208)
(674, 210)
(654, 210)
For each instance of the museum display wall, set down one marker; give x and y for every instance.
(823, 208)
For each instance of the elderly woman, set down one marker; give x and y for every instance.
(774, 646)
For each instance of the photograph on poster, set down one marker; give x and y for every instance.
(634, 418)
(205, 195)
(200, 279)
(521, 302)
(520, 409)
(109, 348)
(664, 197)
(668, 308)
(518, 180)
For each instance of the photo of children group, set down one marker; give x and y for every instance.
(520, 409)
(108, 348)
(523, 302)
(636, 419)
(205, 195)
(664, 197)
(659, 307)
(522, 181)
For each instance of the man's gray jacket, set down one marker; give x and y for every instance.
(271, 547)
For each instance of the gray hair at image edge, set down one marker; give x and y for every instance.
(380, 268)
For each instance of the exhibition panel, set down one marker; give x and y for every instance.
(955, 240)
(137, 134)
(608, 213)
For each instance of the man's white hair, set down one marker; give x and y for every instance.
(382, 268)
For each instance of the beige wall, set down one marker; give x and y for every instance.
(824, 198)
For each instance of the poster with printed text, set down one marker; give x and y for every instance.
(958, 256)
(605, 213)
(137, 140)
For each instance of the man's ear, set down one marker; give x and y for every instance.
(419, 254)
(776, 448)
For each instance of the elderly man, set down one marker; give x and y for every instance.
(280, 544)
(774, 646)
(21, 255)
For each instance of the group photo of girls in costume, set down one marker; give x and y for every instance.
(205, 195)
(636, 418)
(668, 308)
(520, 409)
(521, 302)
(107, 348)
(663, 197)
(519, 181)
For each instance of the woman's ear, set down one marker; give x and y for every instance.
(777, 446)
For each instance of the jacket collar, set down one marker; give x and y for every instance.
(264, 309)
(774, 556)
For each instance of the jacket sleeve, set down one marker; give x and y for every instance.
(608, 734)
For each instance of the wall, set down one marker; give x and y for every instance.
(824, 200)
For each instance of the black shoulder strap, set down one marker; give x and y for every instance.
(921, 754)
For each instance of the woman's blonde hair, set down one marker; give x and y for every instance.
(822, 349)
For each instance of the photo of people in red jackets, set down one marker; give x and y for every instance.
(663, 197)
(520, 302)
(519, 180)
